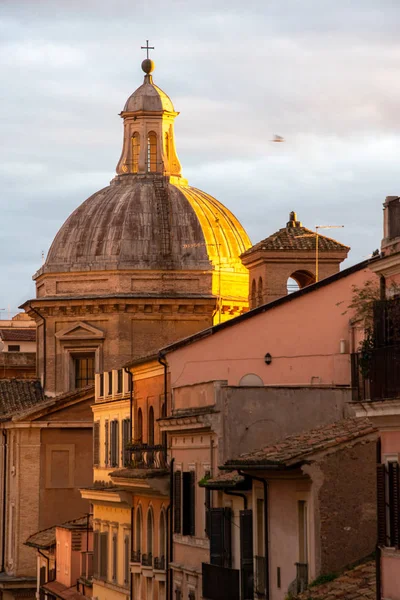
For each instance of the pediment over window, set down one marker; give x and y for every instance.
(80, 331)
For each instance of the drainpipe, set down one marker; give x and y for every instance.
(170, 542)
(266, 538)
(132, 545)
(243, 496)
(163, 362)
(44, 345)
(4, 514)
(130, 399)
(377, 548)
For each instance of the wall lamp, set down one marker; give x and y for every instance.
(268, 359)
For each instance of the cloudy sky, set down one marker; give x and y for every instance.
(325, 75)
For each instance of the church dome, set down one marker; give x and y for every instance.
(145, 223)
(148, 97)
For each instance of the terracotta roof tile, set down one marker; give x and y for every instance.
(47, 537)
(354, 584)
(297, 238)
(22, 334)
(17, 395)
(296, 449)
(224, 480)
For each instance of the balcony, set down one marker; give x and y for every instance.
(376, 375)
(135, 556)
(260, 588)
(143, 456)
(220, 583)
(147, 560)
(159, 563)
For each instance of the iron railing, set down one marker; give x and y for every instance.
(135, 556)
(147, 560)
(260, 588)
(301, 577)
(376, 376)
(220, 583)
(159, 563)
(143, 456)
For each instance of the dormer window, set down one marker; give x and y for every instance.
(151, 152)
(135, 152)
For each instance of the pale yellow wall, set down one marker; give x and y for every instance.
(102, 412)
(112, 519)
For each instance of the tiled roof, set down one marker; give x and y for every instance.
(297, 238)
(53, 402)
(17, 395)
(46, 538)
(295, 449)
(227, 479)
(139, 473)
(62, 591)
(23, 334)
(354, 584)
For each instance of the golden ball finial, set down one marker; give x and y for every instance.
(148, 66)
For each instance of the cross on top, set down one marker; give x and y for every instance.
(147, 48)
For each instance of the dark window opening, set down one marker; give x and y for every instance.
(188, 503)
(150, 439)
(114, 443)
(84, 370)
(139, 433)
(14, 347)
(110, 386)
(101, 385)
(119, 382)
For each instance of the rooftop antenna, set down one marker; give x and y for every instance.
(42, 257)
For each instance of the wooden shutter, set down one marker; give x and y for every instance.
(103, 555)
(126, 559)
(246, 554)
(106, 445)
(114, 556)
(393, 472)
(207, 504)
(381, 504)
(217, 541)
(126, 438)
(177, 501)
(96, 443)
(96, 553)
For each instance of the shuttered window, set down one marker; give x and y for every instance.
(114, 556)
(106, 445)
(101, 394)
(96, 443)
(207, 505)
(114, 443)
(177, 501)
(103, 555)
(220, 537)
(126, 438)
(188, 502)
(246, 554)
(127, 544)
(388, 504)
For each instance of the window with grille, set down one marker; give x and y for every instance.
(84, 370)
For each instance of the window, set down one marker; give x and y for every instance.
(167, 145)
(253, 298)
(388, 497)
(139, 433)
(114, 443)
(188, 503)
(150, 439)
(101, 392)
(110, 385)
(162, 536)
(126, 438)
(303, 542)
(106, 444)
(96, 554)
(152, 152)
(246, 557)
(139, 531)
(135, 152)
(96, 443)
(177, 501)
(84, 370)
(207, 505)
(150, 534)
(14, 347)
(260, 292)
(119, 381)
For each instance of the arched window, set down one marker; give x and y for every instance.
(253, 298)
(150, 533)
(260, 292)
(151, 152)
(150, 439)
(139, 431)
(298, 280)
(138, 537)
(162, 535)
(135, 152)
(167, 145)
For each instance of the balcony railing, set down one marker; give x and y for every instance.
(220, 583)
(377, 375)
(143, 456)
(260, 589)
(135, 556)
(147, 560)
(159, 563)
